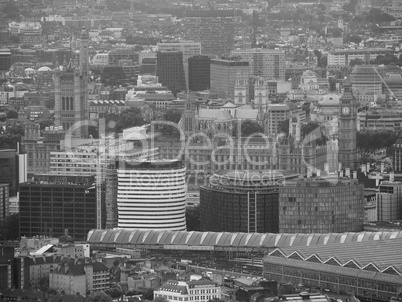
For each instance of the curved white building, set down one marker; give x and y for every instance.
(152, 195)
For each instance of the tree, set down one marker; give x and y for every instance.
(17, 129)
(172, 115)
(323, 62)
(375, 15)
(385, 59)
(93, 131)
(356, 61)
(193, 218)
(129, 118)
(12, 114)
(99, 296)
(318, 54)
(249, 127)
(353, 38)
(46, 123)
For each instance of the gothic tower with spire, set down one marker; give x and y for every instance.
(71, 92)
(347, 128)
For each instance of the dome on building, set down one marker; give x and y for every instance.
(44, 69)
(365, 74)
(330, 99)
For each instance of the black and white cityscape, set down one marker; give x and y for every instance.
(201, 150)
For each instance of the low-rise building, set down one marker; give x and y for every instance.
(81, 277)
(197, 291)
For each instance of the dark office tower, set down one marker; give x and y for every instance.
(4, 202)
(71, 93)
(170, 70)
(50, 204)
(148, 66)
(242, 201)
(111, 198)
(5, 59)
(215, 29)
(199, 73)
(6, 267)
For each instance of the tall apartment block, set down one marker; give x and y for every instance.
(215, 29)
(170, 70)
(71, 93)
(224, 73)
(4, 202)
(267, 63)
(51, 204)
(389, 201)
(199, 73)
(316, 205)
(39, 147)
(275, 114)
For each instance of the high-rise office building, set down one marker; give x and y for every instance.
(51, 204)
(267, 63)
(215, 29)
(6, 267)
(71, 92)
(170, 70)
(347, 128)
(224, 73)
(317, 205)
(239, 201)
(151, 195)
(188, 48)
(199, 73)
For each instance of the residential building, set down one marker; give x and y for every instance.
(319, 205)
(214, 29)
(31, 269)
(223, 76)
(238, 201)
(81, 277)
(50, 204)
(38, 148)
(199, 73)
(170, 70)
(343, 57)
(275, 114)
(266, 63)
(199, 291)
(142, 198)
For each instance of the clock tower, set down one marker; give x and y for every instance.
(347, 128)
